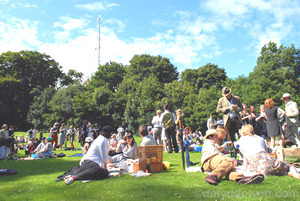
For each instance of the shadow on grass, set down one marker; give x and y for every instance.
(39, 167)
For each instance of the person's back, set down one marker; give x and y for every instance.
(148, 140)
(97, 151)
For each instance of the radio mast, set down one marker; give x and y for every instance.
(99, 23)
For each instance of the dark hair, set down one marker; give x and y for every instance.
(106, 131)
(130, 136)
(166, 106)
(143, 131)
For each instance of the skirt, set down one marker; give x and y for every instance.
(61, 139)
(265, 164)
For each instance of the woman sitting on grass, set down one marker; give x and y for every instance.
(44, 149)
(127, 149)
(256, 158)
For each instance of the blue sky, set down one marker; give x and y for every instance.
(229, 33)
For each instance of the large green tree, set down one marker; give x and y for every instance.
(205, 76)
(142, 66)
(31, 69)
(111, 74)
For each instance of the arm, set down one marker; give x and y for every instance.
(120, 145)
(220, 108)
(282, 112)
(222, 147)
(135, 151)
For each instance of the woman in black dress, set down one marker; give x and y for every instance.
(273, 125)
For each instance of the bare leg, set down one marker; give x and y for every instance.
(293, 172)
(272, 145)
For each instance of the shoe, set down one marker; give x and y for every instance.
(212, 179)
(256, 179)
(69, 180)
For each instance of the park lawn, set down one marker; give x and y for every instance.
(36, 181)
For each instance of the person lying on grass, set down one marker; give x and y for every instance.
(256, 159)
(220, 165)
(93, 165)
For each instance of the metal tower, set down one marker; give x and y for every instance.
(99, 23)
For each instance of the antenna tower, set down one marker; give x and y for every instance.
(99, 23)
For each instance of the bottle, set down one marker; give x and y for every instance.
(232, 152)
(148, 166)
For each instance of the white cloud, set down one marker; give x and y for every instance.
(24, 5)
(79, 53)
(120, 26)
(18, 35)
(68, 23)
(96, 6)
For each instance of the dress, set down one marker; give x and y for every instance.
(62, 134)
(273, 125)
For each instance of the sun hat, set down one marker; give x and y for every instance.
(226, 91)
(286, 95)
(89, 139)
(210, 132)
(158, 111)
(4, 125)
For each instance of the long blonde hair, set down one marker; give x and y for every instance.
(247, 130)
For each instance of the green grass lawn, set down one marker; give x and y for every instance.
(36, 181)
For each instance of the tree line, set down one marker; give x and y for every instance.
(35, 92)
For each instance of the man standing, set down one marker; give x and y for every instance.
(231, 106)
(169, 125)
(54, 132)
(157, 121)
(292, 119)
(211, 122)
(120, 132)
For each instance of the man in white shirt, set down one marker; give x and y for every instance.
(93, 163)
(292, 119)
(146, 139)
(157, 124)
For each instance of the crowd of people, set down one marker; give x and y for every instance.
(257, 133)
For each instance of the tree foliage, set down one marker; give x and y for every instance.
(130, 95)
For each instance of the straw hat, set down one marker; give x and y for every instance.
(226, 91)
(286, 95)
(210, 132)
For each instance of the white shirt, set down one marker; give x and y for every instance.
(148, 140)
(120, 130)
(98, 152)
(251, 145)
(156, 121)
